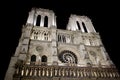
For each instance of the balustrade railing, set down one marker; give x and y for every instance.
(64, 71)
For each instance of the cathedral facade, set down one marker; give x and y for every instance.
(47, 53)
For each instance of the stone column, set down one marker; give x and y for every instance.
(42, 21)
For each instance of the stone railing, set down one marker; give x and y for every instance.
(27, 71)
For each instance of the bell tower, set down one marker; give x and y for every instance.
(47, 53)
(82, 23)
(42, 18)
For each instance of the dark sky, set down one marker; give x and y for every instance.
(104, 16)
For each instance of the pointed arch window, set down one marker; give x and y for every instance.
(78, 25)
(85, 29)
(44, 58)
(45, 36)
(46, 21)
(38, 20)
(33, 58)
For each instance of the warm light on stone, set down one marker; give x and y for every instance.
(47, 53)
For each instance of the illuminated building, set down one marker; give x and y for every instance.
(47, 53)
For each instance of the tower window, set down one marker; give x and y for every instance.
(46, 21)
(33, 58)
(44, 58)
(83, 24)
(78, 25)
(38, 20)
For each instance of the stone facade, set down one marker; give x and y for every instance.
(47, 53)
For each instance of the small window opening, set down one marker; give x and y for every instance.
(78, 25)
(38, 20)
(46, 21)
(84, 27)
(44, 58)
(33, 58)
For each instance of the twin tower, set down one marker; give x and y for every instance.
(47, 53)
(46, 18)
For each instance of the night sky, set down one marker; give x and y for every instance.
(104, 16)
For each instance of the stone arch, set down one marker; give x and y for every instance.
(46, 35)
(78, 25)
(33, 58)
(44, 58)
(38, 20)
(34, 52)
(84, 27)
(46, 21)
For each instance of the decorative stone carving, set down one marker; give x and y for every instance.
(67, 57)
(44, 42)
